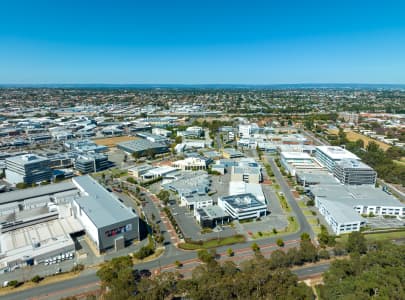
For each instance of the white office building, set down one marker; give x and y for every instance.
(343, 205)
(196, 201)
(354, 172)
(330, 155)
(242, 207)
(191, 164)
(240, 188)
(246, 130)
(247, 170)
(28, 168)
(108, 222)
(295, 161)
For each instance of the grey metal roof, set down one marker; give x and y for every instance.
(246, 170)
(101, 206)
(42, 190)
(141, 145)
(233, 152)
(189, 183)
(193, 198)
(341, 212)
(355, 195)
(212, 212)
(317, 176)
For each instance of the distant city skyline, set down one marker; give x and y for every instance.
(202, 42)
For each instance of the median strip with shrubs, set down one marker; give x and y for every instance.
(213, 243)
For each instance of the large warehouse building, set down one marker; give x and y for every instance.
(107, 221)
(37, 224)
(142, 147)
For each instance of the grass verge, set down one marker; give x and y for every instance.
(371, 236)
(46, 280)
(158, 252)
(291, 227)
(283, 203)
(191, 245)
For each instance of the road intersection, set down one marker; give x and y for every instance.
(88, 280)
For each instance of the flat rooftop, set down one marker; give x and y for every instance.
(212, 212)
(341, 212)
(296, 155)
(353, 164)
(26, 159)
(355, 195)
(160, 170)
(43, 190)
(243, 201)
(102, 207)
(189, 182)
(317, 176)
(52, 236)
(240, 188)
(140, 168)
(246, 170)
(233, 152)
(337, 153)
(141, 145)
(194, 198)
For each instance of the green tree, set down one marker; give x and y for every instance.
(356, 243)
(378, 274)
(255, 247)
(13, 283)
(308, 251)
(21, 185)
(36, 279)
(204, 256)
(178, 140)
(305, 236)
(178, 264)
(164, 196)
(278, 259)
(325, 239)
(117, 275)
(323, 254)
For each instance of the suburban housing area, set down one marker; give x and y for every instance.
(88, 184)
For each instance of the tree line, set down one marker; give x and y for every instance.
(381, 161)
(373, 269)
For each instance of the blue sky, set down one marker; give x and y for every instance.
(252, 42)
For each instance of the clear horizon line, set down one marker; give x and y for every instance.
(208, 83)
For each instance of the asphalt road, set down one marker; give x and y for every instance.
(218, 141)
(302, 221)
(88, 279)
(314, 138)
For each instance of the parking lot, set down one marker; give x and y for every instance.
(381, 222)
(185, 219)
(266, 224)
(220, 185)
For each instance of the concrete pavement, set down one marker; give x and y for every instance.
(171, 254)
